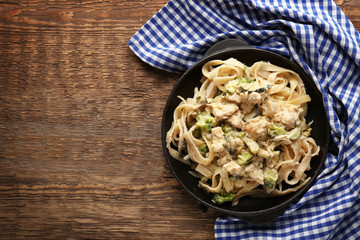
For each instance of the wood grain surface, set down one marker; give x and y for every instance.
(80, 115)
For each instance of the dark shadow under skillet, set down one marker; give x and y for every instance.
(253, 210)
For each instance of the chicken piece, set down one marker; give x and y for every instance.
(251, 144)
(269, 108)
(246, 107)
(288, 117)
(236, 120)
(257, 175)
(256, 128)
(218, 140)
(223, 110)
(223, 160)
(234, 143)
(249, 100)
(256, 98)
(255, 170)
(234, 169)
(235, 97)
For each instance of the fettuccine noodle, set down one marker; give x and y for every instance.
(244, 131)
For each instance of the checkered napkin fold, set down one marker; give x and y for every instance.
(317, 36)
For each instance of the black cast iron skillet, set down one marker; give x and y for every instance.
(253, 210)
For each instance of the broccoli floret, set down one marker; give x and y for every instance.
(232, 86)
(237, 84)
(205, 121)
(227, 128)
(270, 178)
(246, 83)
(244, 157)
(276, 130)
(229, 131)
(238, 134)
(203, 149)
(295, 133)
(246, 80)
(220, 198)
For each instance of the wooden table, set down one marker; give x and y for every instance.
(80, 114)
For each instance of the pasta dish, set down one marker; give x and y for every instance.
(244, 131)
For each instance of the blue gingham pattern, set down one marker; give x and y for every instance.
(319, 37)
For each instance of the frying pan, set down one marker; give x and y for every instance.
(253, 210)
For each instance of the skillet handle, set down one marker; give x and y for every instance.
(227, 44)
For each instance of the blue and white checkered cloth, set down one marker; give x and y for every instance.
(320, 38)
